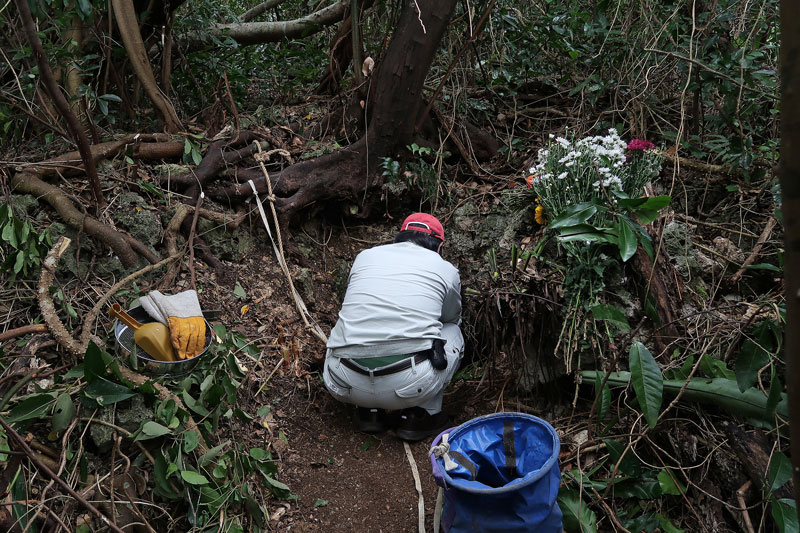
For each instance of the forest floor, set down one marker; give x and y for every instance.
(344, 480)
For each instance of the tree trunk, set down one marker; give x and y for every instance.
(790, 187)
(125, 15)
(350, 173)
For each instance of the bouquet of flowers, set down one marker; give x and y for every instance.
(599, 169)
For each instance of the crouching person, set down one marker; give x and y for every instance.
(397, 342)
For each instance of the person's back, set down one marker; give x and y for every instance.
(397, 342)
(398, 296)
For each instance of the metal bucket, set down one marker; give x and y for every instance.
(146, 363)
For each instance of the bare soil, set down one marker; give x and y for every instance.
(344, 480)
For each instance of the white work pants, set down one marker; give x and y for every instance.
(419, 386)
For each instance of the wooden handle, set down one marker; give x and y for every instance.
(125, 318)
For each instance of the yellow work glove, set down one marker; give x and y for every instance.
(182, 314)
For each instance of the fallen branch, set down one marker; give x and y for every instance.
(22, 445)
(24, 330)
(756, 249)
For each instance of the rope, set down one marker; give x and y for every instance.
(417, 485)
(299, 303)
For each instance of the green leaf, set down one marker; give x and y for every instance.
(574, 215)
(190, 441)
(611, 314)
(640, 488)
(212, 454)
(106, 392)
(238, 291)
(19, 262)
(196, 157)
(648, 383)
(649, 203)
(276, 484)
(764, 266)
(720, 392)
(752, 358)
(780, 471)
(666, 525)
(626, 241)
(63, 412)
(630, 464)
(775, 390)
(668, 485)
(35, 406)
(583, 233)
(320, 503)
(151, 430)
(604, 402)
(111, 97)
(187, 146)
(259, 454)
(193, 478)
(578, 517)
(94, 365)
(784, 512)
(85, 7)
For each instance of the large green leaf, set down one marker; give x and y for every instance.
(578, 518)
(35, 406)
(151, 430)
(648, 383)
(106, 392)
(669, 484)
(603, 402)
(583, 233)
(611, 314)
(720, 392)
(193, 478)
(784, 512)
(639, 488)
(780, 471)
(629, 465)
(63, 412)
(752, 358)
(626, 241)
(573, 215)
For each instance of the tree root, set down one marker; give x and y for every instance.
(31, 180)
(28, 182)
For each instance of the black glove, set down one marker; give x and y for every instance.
(437, 358)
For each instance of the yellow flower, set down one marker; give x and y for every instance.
(539, 216)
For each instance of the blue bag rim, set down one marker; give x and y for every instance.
(545, 469)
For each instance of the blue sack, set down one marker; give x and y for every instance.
(499, 473)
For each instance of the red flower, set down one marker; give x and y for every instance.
(529, 180)
(640, 144)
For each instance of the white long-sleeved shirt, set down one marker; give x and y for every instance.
(398, 296)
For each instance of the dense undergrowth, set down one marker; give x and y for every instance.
(679, 414)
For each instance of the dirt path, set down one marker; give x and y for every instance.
(345, 481)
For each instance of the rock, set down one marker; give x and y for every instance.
(23, 204)
(101, 433)
(726, 247)
(304, 282)
(167, 170)
(133, 415)
(142, 223)
(226, 245)
(686, 257)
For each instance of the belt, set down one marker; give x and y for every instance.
(405, 364)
